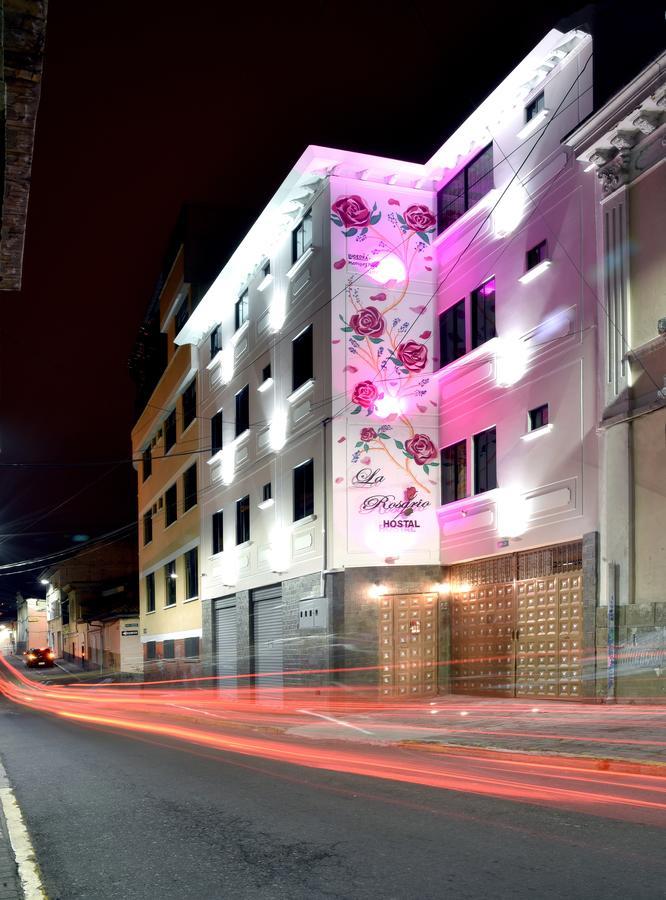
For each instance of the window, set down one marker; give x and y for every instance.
(170, 431)
(216, 433)
(242, 411)
(192, 648)
(218, 532)
(150, 592)
(243, 519)
(452, 343)
(266, 372)
(301, 358)
(151, 650)
(538, 417)
(147, 527)
(266, 269)
(304, 490)
(301, 237)
(454, 472)
(536, 255)
(170, 583)
(483, 313)
(465, 189)
(192, 573)
(242, 310)
(189, 400)
(183, 314)
(485, 461)
(169, 649)
(170, 505)
(190, 487)
(267, 492)
(215, 341)
(534, 108)
(147, 462)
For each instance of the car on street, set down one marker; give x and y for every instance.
(37, 656)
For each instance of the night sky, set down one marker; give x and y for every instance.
(146, 106)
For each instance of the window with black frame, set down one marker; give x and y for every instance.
(148, 526)
(170, 505)
(191, 573)
(216, 433)
(534, 107)
(452, 340)
(483, 313)
(301, 358)
(465, 189)
(538, 417)
(454, 472)
(218, 531)
(170, 583)
(150, 592)
(243, 519)
(189, 401)
(192, 648)
(536, 255)
(485, 461)
(242, 411)
(301, 237)
(170, 431)
(242, 310)
(151, 650)
(215, 341)
(169, 649)
(182, 314)
(190, 487)
(304, 490)
(147, 463)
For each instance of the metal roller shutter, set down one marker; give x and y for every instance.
(226, 646)
(267, 636)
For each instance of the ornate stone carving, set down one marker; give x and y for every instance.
(648, 120)
(624, 140)
(601, 156)
(613, 175)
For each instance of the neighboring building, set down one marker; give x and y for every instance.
(396, 375)
(92, 607)
(31, 628)
(22, 36)
(166, 446)
(624, 145)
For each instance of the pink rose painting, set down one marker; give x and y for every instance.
(352, 213)
(421, 448)
(364, 394)
(419, 217)
(367, 322)
(413, 356)
(368, 434)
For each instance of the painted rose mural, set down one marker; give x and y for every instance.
(385, 333)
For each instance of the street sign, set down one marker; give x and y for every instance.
(130, 633)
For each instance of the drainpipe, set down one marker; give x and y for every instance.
(324, 533)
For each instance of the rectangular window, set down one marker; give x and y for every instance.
(169, 649)
(454, 472)
(242, 411)
(266, 372)
(183, 314)
(242, 310)
(465, 189)
(189, 401)
(534, 108)
(192, 648)
(150, 592)
(216, 433)
(170, 505)
(148, 526)
(483, 313)
(301, 237)
(538, 417)
(170, 583)
(215, 341)
(267, 491)
(218, 532)
(190, 487)
(243, 519)
(147, 462)
(304, 490)
(536, 255)
(266, 269)
(191, 573)
(485, 461)
(151, 650)
(452, 344)
(301, 358)
(170, 431)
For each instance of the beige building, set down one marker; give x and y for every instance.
(625, 143)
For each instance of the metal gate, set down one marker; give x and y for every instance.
(267, 636)
(521, 637)
(408, 644)
(226, 645)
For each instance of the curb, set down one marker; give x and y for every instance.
(28, 882)
(581, 761)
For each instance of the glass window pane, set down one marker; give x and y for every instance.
(483, 313)
(452, 333)
(451, 202)
(480, 177)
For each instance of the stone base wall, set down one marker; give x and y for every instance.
(640, 648)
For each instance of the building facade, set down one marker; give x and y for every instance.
(31, 628)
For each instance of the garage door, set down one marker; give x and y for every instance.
(267, 636)
(226, 646)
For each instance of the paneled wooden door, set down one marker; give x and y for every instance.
(408, 644)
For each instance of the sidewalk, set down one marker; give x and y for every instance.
(10, 884)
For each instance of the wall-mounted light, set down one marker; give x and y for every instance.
(512, 513)
(277, 311)
(43, 581)
(509, 211)
(280, 552)
(387, 268)
(389, 405)
(227, 363)
(442, 587)
(278, 429)
(377, 590)
(511, 361)
(228, 463)
(173, 575)
(230, 568)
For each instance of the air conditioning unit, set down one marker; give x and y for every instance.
(661, 326)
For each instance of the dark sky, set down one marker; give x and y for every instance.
(149, 105)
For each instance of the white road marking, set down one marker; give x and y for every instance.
(335, 721)
(19, 838)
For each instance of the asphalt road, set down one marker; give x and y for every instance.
(114, 816)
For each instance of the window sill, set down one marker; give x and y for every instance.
(244, 546)
(241, 438)
(265, 385)
(301, 391)
(535, 271)
(266, 504)
(215, 361)
(190, 600)
(170, 606)
(151, 612)
(533, 125)
(238, 334)
(453, 368)
(187, 427)
(537, 432)
(266, 281)
(194, 506)
(467, 217)
(166, 527)
(300, 262)
(306, 520)
(215, 458)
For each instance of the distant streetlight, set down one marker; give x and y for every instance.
(43, 581)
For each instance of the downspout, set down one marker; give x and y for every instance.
(324, 533)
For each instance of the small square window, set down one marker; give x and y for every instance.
(242, 310)
(215, 341)
(266, 269)
(266, 373)
(267, 491)
(538, 417)
(534, 108)
(536, 255)
(302, 237)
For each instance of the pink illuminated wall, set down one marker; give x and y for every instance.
(385, 450)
